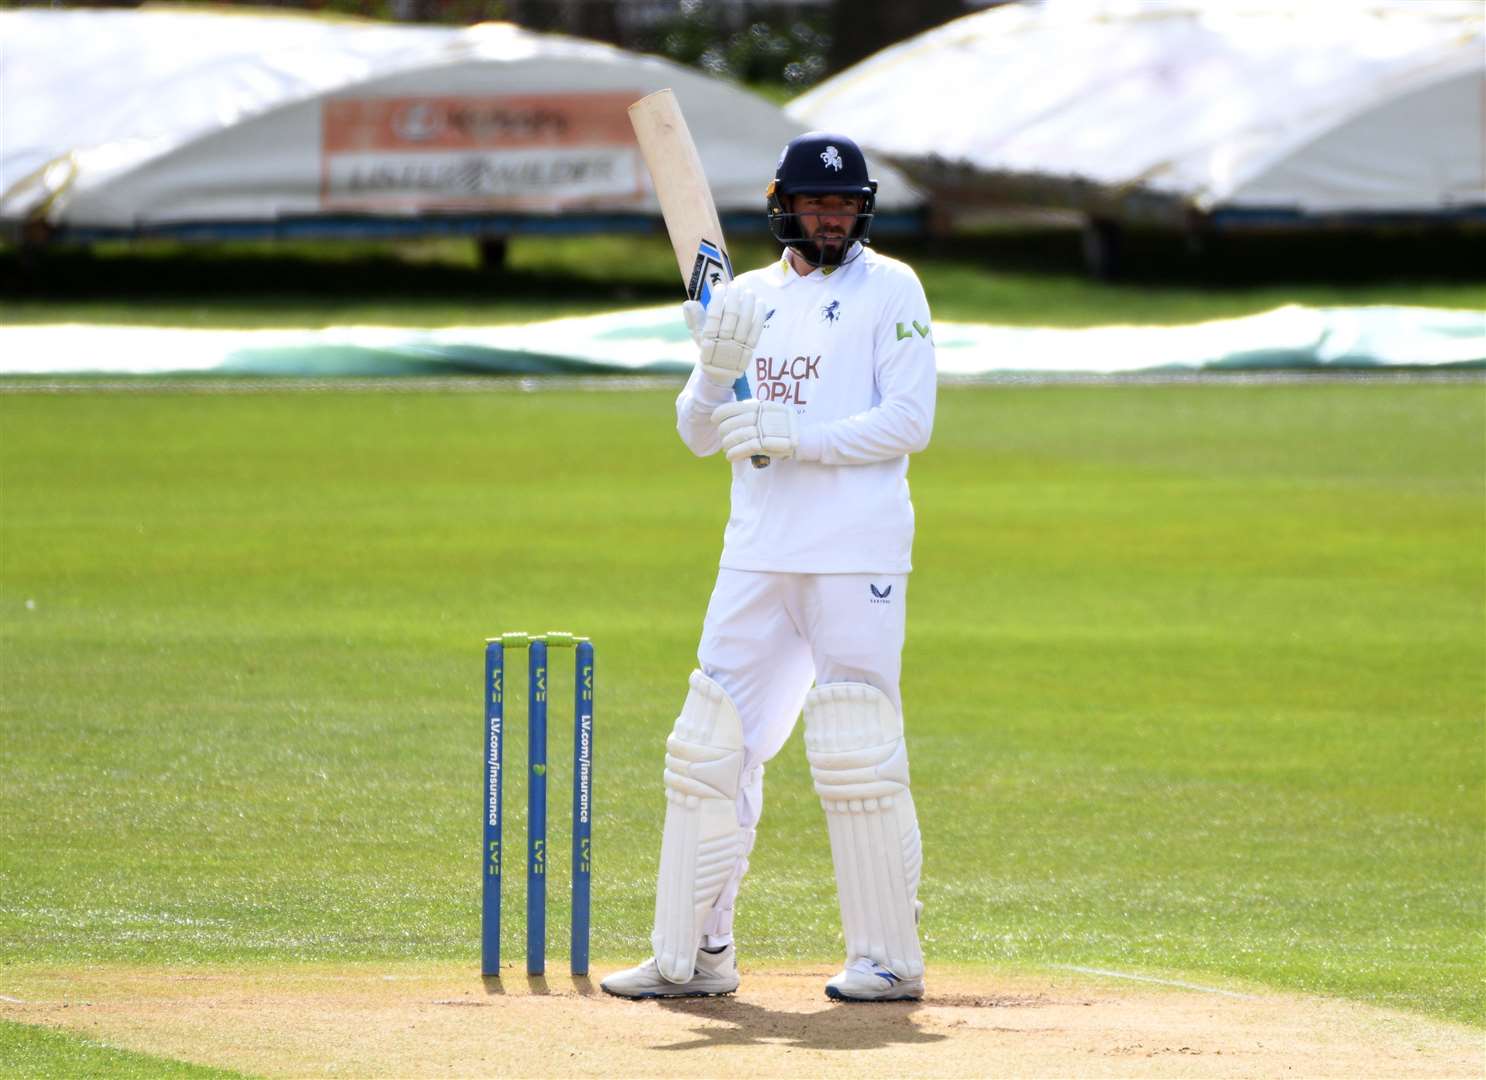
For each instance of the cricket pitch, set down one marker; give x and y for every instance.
(405, 1020)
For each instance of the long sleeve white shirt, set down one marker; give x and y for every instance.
(851, 351)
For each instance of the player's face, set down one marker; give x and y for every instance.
(827, 219)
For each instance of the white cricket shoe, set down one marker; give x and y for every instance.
(716, 973)
(867, 980)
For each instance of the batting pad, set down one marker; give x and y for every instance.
(703, 842)
(854, 741)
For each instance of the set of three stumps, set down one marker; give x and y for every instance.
(537, 646)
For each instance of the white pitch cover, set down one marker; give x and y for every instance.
(703, 841)
(143, 118)
(1317, 107)
(854, 740)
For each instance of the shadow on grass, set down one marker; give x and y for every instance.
(1023, 276)
(1228, 260)
(639, 268)
(241, 274)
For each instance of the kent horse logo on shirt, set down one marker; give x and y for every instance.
(831, 312)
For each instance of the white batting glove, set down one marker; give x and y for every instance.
(757, 427)
(734, 319)
(696, 318)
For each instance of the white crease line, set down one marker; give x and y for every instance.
(1151, 979)
(10, 1000)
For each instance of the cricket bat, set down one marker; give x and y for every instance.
(685, 203)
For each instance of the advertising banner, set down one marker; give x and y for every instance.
(530, 152)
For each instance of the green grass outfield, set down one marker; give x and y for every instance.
(37, 1053)
(1195, 677)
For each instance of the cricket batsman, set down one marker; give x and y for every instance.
(809, 607)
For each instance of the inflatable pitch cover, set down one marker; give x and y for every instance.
(1273, 110)
(126, 121)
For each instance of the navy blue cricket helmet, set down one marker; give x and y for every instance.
(819, 163)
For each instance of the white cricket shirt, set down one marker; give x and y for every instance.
(851, 351)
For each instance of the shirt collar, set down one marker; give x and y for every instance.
(787, 275)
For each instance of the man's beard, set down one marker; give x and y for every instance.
(830, 248)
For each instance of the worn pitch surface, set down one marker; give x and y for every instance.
(380, 1020)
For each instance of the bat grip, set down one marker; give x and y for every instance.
(742, 393)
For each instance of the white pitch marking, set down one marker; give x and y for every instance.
(10, 1000)
(1151, 979)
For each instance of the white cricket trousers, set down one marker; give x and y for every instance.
(767, 637)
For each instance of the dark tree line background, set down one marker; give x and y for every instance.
(788, 43)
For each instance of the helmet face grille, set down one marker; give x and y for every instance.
(819, 163)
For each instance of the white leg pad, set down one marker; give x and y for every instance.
(703, 843)
(854, 740)
(717, 929)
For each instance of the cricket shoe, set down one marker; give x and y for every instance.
(716, 973)
(867, 980)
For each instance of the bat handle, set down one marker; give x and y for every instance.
(742, 393)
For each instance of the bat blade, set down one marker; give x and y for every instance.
(686, 203)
